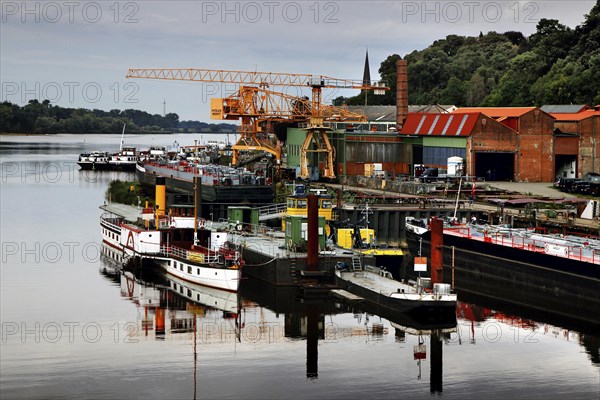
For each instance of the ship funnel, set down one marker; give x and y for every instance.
(160, 200)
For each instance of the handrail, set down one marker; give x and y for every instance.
(575, 252)
(272, 209)
(194, 256)
(107, 221)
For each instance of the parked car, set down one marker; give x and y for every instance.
(567, 184)
(593, 183)
(581, 186)
(560, 183)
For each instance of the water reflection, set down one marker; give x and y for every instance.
(171, 309)
(505, 343)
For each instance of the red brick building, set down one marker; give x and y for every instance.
(533, 143)
(485, 144)
(577, 144)
(512, 143)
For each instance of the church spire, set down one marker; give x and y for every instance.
(367, 72)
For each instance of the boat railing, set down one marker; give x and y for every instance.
(194, 256)
(244, 228)
(219, 175)
(111, 222)
(272, 209)
(572, 251)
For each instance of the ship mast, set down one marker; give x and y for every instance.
(122, 138)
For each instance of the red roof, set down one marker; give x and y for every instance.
(575, 116)
(495, 112)
(439, 124)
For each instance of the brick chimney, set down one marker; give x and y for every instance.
(401, 93)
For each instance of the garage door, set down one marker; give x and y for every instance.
(495, 166)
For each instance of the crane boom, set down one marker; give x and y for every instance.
(255, 104)
(251, 101)
(251, 78)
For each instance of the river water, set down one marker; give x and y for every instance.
(75, 326)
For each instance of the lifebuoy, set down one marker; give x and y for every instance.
(201, 224)
(238, 227)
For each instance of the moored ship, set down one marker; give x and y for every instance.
(219, 183)
(485, 246)
(95, 160)
(184, 246)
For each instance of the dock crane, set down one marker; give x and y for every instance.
(255, 107)
(254, 90)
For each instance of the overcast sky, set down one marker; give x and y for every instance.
(76, 53)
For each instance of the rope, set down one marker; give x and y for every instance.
(258, 265)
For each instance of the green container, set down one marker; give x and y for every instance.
(242, 215)
(296, 228)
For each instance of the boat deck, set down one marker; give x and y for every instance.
(371, 280)
(127, 212)
(272, 243)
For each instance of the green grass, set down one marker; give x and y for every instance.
(125, 192)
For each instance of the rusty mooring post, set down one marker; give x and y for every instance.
(437, 254)
(312, 257)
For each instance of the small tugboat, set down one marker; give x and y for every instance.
(179, 242)
(374, 284)
(125, 160)
(94, 161)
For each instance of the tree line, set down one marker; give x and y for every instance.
(554, 65)
(43, 117)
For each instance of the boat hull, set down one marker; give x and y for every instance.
(203, 274)
(105, 166)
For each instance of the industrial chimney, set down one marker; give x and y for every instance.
(401, 93)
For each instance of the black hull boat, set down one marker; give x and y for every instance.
(503, 247)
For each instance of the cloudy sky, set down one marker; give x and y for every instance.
(76, 53)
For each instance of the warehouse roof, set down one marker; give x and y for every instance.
(388, 113)
(578, 116)
(440, 124)
(564, 108)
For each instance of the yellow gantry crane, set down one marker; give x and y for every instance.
(254, 103)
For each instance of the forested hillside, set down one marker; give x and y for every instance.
(555, 65)
(36, 117)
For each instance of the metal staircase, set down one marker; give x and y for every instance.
(357, 266)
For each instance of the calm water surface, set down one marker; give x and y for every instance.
(75, 326)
